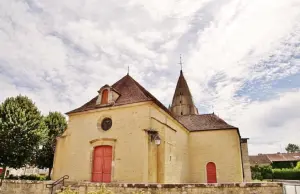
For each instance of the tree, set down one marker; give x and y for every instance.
(55, 124)
(20, 132)
(292, 148)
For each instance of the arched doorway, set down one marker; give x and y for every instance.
(102, 159)
(211, 172)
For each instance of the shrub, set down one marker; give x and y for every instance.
(261, 172)
(102, 190)
(266, 172)
(287, 174)
(298, 166)
(12, 177)
(68, 191)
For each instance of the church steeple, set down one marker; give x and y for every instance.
(182, 103)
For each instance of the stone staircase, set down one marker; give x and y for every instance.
(58, 185)
(67, 186)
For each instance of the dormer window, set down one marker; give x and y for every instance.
(104, 98)
(107, 96)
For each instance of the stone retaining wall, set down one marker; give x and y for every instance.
(35, 187)
(24, 187)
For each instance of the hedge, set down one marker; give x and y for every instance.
(298, 166)
(266, 172)
(286, 174)
(28, 177)
(281, 165)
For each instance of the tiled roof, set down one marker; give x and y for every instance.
(130, 92)
(259, 159)
(284, 157)
(204, 122)
(269, 158)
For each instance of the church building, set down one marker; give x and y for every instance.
(126, 135)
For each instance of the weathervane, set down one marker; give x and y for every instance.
(128, 70)
(180, 62)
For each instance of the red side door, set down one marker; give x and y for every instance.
(102, 161)
(1, 170)
(211, 172)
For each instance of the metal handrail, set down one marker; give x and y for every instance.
(55, 183)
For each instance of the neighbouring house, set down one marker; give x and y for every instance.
(28, 170)
(125, 134)
(278, 160)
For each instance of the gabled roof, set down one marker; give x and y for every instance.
(259, 159)
(130, 92)
(269, 158)
(204, 122)
(284, 157)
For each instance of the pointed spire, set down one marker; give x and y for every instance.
(128, 70)
(182, 103)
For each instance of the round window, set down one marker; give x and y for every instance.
(106, 124)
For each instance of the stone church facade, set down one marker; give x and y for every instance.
(126, 135)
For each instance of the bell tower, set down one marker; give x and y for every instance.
(182, 103)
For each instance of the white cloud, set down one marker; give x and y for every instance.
(271, 124)
(60, 53)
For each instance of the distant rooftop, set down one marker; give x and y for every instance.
(278, 157)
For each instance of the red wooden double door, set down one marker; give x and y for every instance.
(102, 162)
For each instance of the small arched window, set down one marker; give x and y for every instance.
(104, 99)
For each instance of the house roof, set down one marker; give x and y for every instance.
(130, 92)
(269, 158)
(204, 122)
(284, 157)
(259, 159)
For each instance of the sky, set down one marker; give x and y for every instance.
(241, 58)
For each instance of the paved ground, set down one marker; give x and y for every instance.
(291, 189)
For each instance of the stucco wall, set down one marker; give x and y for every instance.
(174, 155)
(219, 146)
(32, 187)
(246, 161)
(127, 137)
(180, 158)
